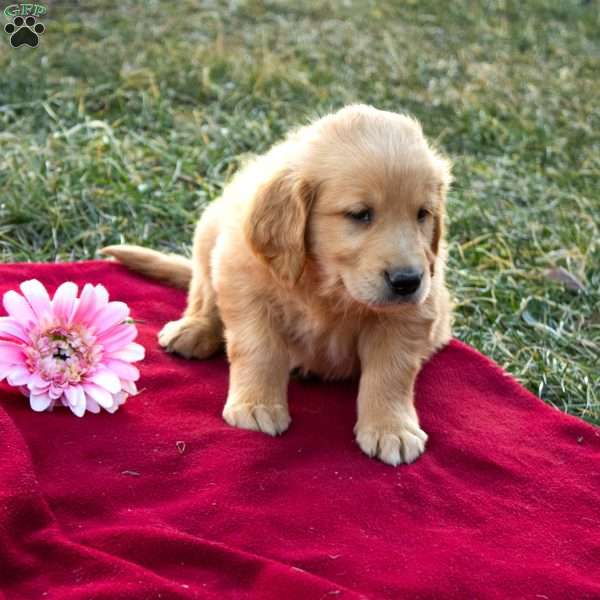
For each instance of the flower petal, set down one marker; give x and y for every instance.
(86, 304)
(5, 370)
(92, 300)
(37, 390)
(18, 375)
(76, 399)
(63, 302)
(11, 328)
(112, 314)
(40, 403)
(124, 370)
(118, 400)
(130, 353)
(118, 337)
(18, 308)
(107, 380)
(79, 409)
(37, 296)
(99, 395)
(11, 353)
(71, 396)
(55, 392)
(91, 405)
(129, 387)
(101, 295)
(37, 381)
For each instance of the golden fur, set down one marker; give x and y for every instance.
(288, 270)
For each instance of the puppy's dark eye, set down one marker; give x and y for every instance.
(362, 216)
(422, 215)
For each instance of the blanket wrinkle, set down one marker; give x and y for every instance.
(165, 500)
(175, 541)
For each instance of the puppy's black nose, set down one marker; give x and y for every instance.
(403, 281)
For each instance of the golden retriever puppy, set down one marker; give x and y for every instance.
(324, 254)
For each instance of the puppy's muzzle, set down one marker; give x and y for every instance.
(403, 282)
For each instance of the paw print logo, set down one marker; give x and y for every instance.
(24, 31)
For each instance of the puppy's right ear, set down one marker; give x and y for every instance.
(276, 224)
(441, 189)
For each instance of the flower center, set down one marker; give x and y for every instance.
(63, 355)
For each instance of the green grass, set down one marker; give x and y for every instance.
(130, 117)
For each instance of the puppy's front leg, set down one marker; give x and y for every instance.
(258, 373)
(388, 426)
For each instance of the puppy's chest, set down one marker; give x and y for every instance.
(327, 347)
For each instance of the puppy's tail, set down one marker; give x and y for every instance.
(170, 268)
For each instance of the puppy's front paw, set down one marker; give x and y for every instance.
(268, 418)
(191, 338)
(400, 440)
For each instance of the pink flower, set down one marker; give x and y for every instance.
(69, 350)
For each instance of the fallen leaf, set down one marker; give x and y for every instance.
(563, 276)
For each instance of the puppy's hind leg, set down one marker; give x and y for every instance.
(199, 332)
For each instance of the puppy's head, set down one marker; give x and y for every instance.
(363, 202)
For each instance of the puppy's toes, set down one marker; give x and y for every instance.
(190, 338)
(272, 419)
(392, 443)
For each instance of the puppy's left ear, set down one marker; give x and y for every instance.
(276, 225)
(441, 189)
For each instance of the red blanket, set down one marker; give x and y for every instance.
(164, 500)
